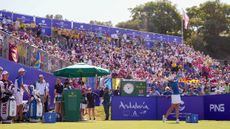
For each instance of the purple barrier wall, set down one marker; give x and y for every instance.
(152, 108)
(30, 77)
(190, 104)
(217, 107)
(133, 108)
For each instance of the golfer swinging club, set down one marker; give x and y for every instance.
(175, 98)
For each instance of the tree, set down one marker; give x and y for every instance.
(211, 18)
(210, 25)
(107, 23)
(129, 25)
(159, 17)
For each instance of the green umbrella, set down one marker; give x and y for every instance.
(81, 70)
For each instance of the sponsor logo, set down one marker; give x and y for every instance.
(182, 106)
(134, 105)
(4, 108)
(133, 109)
(216, 108)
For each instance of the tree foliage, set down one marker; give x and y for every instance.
(106, 23)
(209, 29)
(160, 17)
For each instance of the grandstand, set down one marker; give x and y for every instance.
(127, 53)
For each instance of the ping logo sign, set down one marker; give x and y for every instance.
(216, 108)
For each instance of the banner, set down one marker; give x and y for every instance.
(44, 22)
(116, 83)
(108, 83)
(61, 24)
(46, 31)
(162, 38)
(133, 88)
(91, 83)
(23, 18)
(5, 14)
(133, 108)
(189, 104)
(116, 30)
(174, 39)
(217, 107)
(82, 26)
(37, 63)
(98, 28)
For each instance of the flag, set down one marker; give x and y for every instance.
(91, 81)
(37, 64)
(108, 83)
(116, 83)
(13, 53)
(185, 19)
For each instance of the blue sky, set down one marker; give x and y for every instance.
(84, 10)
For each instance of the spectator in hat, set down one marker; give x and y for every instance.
(42, 88)
(6, 85)
(20, 88)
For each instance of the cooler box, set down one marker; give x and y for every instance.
(71, 105)
(192, 118)
(49, 117)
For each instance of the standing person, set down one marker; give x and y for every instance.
(18, 93)
(91, 103)
(175, 99)
(42, 88)
(117, 91)
(58, 90)
(227, 88)
(83, 102)
(67, 85)
(5, 84)
(106, 102)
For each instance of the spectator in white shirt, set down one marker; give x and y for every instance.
(42, 88)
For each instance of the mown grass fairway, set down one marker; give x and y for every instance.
(121, 125)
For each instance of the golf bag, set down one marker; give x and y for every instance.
(35, 108)
(8, 108)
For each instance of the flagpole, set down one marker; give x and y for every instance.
(182, 28)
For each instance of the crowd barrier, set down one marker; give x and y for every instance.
(215, 107)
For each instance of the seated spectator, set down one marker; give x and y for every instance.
(153, 92)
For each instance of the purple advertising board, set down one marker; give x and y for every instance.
(46, 31)
(62, 24)
(82, 26)
(44, 22)
(30, 77)
(217, 107)
(133, 108)
(6, 14)
(189, 104)
(23, 18)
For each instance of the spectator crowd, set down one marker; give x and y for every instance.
(127, 57)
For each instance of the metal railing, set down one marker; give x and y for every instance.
(16, 50)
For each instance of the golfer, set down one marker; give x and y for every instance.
(175, 97)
